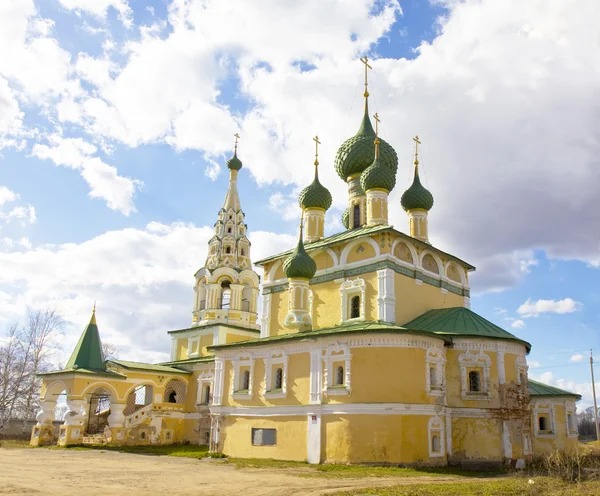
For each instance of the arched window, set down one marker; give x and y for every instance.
(543, 423)
(355, 307)
(246, 381)
(339, 376)
(279, 379)
(225, 294)
(229, 230)
(172, 397)
(356, 216)
(435, 443)
(243, 252)
(474, 381)
(432, 377)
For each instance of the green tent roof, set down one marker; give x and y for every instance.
(459, 321)
(88, 352)
(148, 367)
(538, 389)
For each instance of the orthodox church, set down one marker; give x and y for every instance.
(366, 349)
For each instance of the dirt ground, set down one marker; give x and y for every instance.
(66, 473)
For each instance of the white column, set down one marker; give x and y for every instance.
(46, 413)
(501, 369)
(386, 301)
(75, 415)
(313, 438)
(116, 417)
(266, 313)
(316, 380)
(506, 444)
(218, 385)
(449, 434)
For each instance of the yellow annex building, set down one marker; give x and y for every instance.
(366, 349)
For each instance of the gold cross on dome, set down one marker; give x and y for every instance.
(365, 61)
(317, 143)
(417, 143)
(377, 121)
(237, 137)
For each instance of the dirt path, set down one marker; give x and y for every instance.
(73, 473)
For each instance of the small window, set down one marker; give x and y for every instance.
(432, 377)
(435, 444)
(543, 423)
(339, 376)
(243, 252)
(229, 230)
(246, 380)
(143, 435)
(356, 216)
(172, 397)
(206, 395)
(279, 379)
(355, 307)
(474, 381)
(168, 435)
(228, 249)
(264, 437)
(226, 294)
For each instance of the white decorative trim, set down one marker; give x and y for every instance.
(521, 367)
(467, 302)
(438, 262)
(315, 376)
(246, 360)
(205, 378)
(570, 410)
(313, 438)
(386, 300)
(330, 409)
(342, 353)
(348, 248)
(470, 412)
(348, 289)
(481, 361)
(506, 444)
(483, 344)
(298, 316)
(435, 426)
(191, 341)
(277, 357)
(265, 321)
(436, 358)
(218, 386)
(501, 369)
(546, 408)
(448, 435)
(444, 291)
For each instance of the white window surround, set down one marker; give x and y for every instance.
(204, 379)
(243, 361)
(386, 300)
(479, 360)
(278, 359)
(570, 410)
(348, 289)
(191, 341)
(342, 354)
(435, 427)
(521, 367)
(434, 357)
(547, 410)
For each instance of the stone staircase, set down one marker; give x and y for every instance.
(138, 416)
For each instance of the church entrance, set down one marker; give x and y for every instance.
(98, 412)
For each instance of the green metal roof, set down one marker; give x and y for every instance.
(538, 389)
(205, 326)
(299, 264)
(209, 358)
(378, 176)
(460, 321)
(88, 352)
(357, 233)
(234, 163)
(417, 196)
(359, 327)
(103, 373)
(315, 194)
(148, 367)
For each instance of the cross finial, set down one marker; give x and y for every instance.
(317, 143)
(377, 120)
(417, 143)
(94, 309)
(237, 137)
(365, 61)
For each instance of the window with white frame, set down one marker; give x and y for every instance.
(194, 346)
(205, 380)
(475, 375)
(243, 372)
(571, 420)
(434, 371)
(276, 371)
(435, 429)
(521, 370)
(336, 375)
(353, 299)
(543, 414)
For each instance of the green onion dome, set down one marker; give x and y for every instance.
(377, 176)
(356, 153)
(417, 196)
(234, 163)
(346, 218)
(315, 195)
(299, 264)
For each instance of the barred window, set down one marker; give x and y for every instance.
(246, 381)
(278, 378)
(339, 376)
(264, 437)
(474, 381)
(355, 307)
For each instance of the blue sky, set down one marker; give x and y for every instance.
(117, 117)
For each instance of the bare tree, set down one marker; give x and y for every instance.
(110, 351)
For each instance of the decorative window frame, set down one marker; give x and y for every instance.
(329, 387)
(275, 358)
(238, 363)
(434, 357)
(435, 426)
(348, 289)
(205, 378)
(570, 410)
(547, 409)
(521, 368)
(191, 341)
(475, 359)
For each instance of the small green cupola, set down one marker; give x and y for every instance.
(88, 353)
(377, 176)
(299, 265)
(315, 195)
(234, 163)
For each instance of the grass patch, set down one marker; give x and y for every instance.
(511, 486)
(266, 463)
(15, 443)
(181, 450)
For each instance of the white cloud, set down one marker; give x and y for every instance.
(584, 389)
(25, 214)
(99, 8)
(577, 358)
(518, 324)
(103, 179)
(526, 265)
(535, 308)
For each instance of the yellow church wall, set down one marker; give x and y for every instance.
(362, 251)
(477, 439)
(205, 341)
(376, 439)
(236, 437)
(232, 337)
(323, 261)
(413, 300)
(182, 347)
(559, 439)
